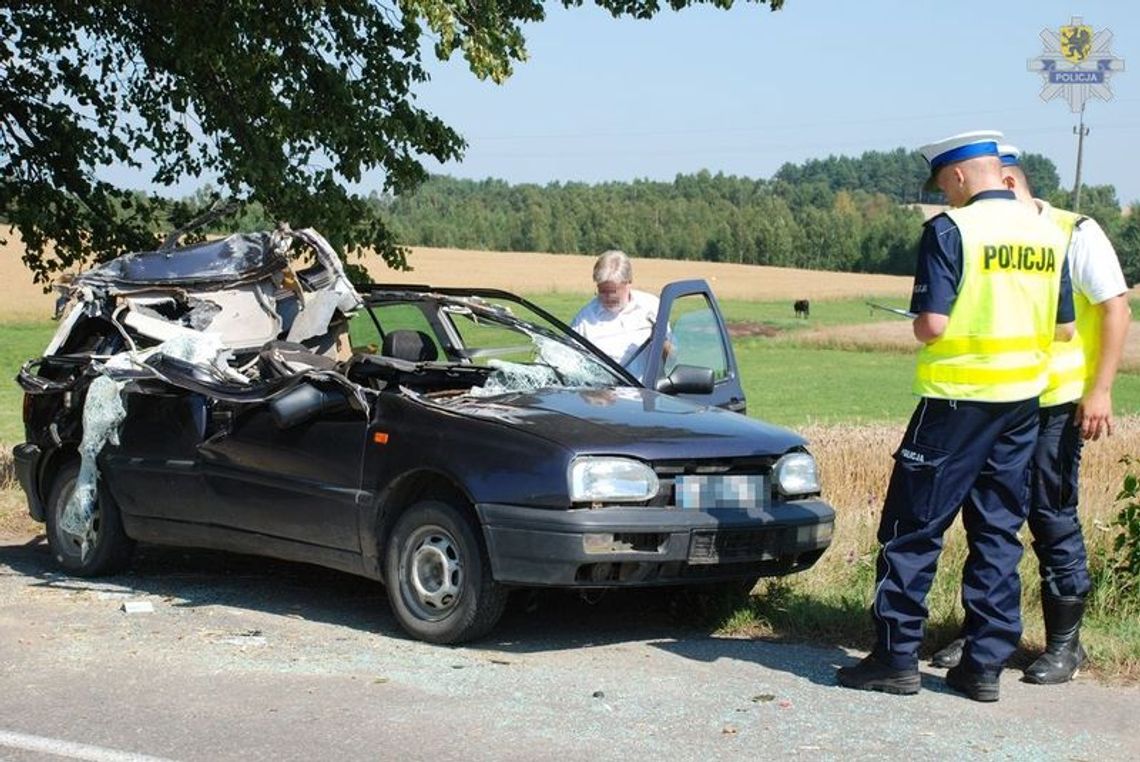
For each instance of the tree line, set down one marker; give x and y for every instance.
(853, 214)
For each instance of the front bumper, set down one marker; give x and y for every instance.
(26, 461)
(634, 547)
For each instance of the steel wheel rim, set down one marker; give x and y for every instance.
(431, 573)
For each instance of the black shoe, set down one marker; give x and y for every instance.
(872, 675)
(980, 686)
(949, 655)
(1064, 656)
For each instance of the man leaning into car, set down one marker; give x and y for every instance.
(620, 319)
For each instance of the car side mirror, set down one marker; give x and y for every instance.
(303, 403)
(687, 379)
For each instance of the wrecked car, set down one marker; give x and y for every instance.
(242, 395)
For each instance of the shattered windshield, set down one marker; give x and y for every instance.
(521, 349)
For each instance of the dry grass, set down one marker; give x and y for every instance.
(897, 337)
(23, 300)
(856, 462)
(14, 519)
(530, 273)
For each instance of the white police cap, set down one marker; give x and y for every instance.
(967, 145)
(1010, 155)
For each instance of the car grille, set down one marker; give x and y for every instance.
(668, 471)
(727, 546)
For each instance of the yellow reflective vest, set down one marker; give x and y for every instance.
(996, 344)
(1072, 363)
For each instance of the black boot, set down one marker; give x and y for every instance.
(949, 655)
(980, 686)
(1063, 655)
(873, 675)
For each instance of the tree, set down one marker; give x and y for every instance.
(282, 103)
(1127, 244)
(1041, 173)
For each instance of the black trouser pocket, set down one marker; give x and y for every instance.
(916, 485)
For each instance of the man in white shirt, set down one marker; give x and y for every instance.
(620, 319)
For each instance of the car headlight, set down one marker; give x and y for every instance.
(796, 474)
(594, 480)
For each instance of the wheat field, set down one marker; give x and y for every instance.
(530, 273)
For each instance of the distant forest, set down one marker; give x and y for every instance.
(839, 213)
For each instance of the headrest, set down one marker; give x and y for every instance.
(413, 346)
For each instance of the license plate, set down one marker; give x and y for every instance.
(699, 493)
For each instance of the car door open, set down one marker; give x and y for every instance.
(690, 333)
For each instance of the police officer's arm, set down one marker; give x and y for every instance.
(1096, 274)
(937, 272)
(929, 326)
(1094, 414)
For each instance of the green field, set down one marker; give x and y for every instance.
(776, 314)
(785, 382)
(19, 342)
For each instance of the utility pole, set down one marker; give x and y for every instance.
(1080, 131)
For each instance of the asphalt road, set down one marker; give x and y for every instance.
(248, 658)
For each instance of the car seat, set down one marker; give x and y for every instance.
(413, 346)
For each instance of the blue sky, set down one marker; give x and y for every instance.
(745, 90)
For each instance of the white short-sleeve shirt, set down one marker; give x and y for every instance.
(618, 334)
(1093, 264)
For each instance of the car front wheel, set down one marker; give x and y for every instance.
(103, 549)
(438, 575)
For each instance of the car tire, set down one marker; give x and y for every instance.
(110, 550)
(438, 575)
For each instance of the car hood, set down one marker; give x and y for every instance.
(632, 421)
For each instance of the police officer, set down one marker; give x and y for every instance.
(991, 293)
(1076, 405)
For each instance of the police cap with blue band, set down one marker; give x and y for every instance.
(956, 148)
(1010, 155)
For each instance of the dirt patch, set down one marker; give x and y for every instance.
(747, 329)
(880, 336)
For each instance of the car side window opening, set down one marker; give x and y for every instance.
(391, 317)
(695, 338)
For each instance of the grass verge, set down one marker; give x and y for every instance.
(830, 602)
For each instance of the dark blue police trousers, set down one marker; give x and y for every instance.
(956, 454)
(1053, 520)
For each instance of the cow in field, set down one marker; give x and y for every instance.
(802, 308)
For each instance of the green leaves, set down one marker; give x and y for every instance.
(280, 105)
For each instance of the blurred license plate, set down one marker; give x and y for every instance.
(698, 493)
